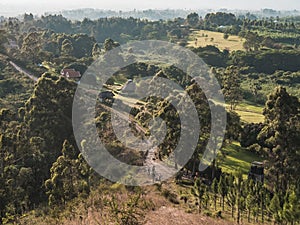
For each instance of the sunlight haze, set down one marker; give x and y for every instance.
(41, 6)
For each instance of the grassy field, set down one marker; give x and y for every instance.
(250, 113)
(237, 158)
(250, 117)
(203, 38)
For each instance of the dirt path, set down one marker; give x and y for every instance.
(172, 216)
(157, 170)
(21, 70)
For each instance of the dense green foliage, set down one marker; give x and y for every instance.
(40, 163)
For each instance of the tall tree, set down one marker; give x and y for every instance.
(291, 207)
(193, 19)
(275, 208)
(249, 205)
(280, 137)
(214, 188)
(96, 50)
(232, 86)
(232, 194)
(31, 46)
(66, 180)
(198, 191)
(67, 48)
(253, 41)
(239, 196)
(3, 40)
(223, 190)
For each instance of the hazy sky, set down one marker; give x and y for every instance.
(40, 6)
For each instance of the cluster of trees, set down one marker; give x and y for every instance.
(3, 40)
(156, 107)
(278, 137)
(221, 18)
(279, 31)
(37, 46)
(119, 29)
(31, 141)
(269, 61)
(278, 200)
(14, 88)
(271, 23)
(39, 160)
(212, 55)
(70, 177)
(248, 200)
(275, 33)
(212, 20)
(124, 29)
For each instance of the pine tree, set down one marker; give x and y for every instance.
(232, 196)
(275, 208)
(214, 188)
(239, 197)
(223, 189)
(263, 201)
(198, 191)
(249, 205)
(291, 207)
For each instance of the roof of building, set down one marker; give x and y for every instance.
(70, 73)
(255, 163)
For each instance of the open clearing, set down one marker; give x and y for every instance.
(250, 113)
(237, 158)
(250, 117)
(203, 38)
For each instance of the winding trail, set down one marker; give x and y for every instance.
(162, 170)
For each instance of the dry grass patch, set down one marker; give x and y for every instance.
(203, 38)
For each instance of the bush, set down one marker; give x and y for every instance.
(134, 111)
(250, 133)
(255, 148)
(207, 213)
(218, 214)
(172, 197)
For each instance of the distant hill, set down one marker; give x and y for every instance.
(165, 14)
(79, 14)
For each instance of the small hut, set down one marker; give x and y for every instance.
(70, 74)
(256, 172)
